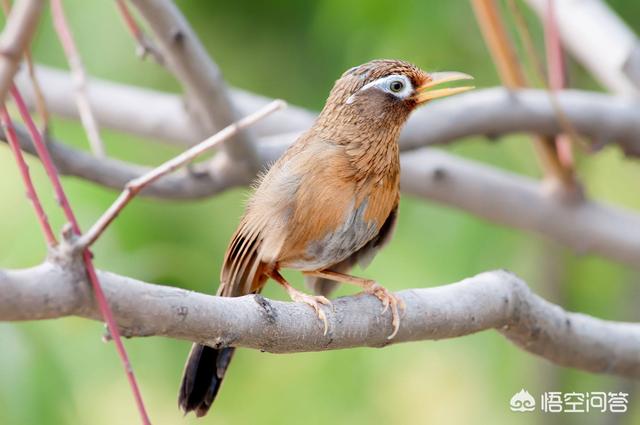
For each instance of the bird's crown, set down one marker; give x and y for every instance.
(367, 73)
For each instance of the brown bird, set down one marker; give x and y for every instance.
(329, 203)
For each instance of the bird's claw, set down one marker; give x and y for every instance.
(314, 301)
(389, 300)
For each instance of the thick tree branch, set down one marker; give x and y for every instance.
(520, 202)
(493, 300)
(186, 57)
(494, 112)
(115, 174)
(148, 113)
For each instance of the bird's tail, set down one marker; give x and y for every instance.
(242, 273)
(203, 375)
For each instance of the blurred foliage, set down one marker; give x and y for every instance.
(59, 372)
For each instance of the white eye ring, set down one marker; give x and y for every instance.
(397, 85)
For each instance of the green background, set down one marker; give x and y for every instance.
(59, 372)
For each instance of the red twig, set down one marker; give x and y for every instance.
(144, 44)
(79, 78)
(131, 23)
(47, 162)
(555, 61)
(556, 75)
(12, 138)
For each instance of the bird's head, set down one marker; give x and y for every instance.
(386, 91)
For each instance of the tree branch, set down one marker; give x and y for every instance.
(79, 74)
(16, 35)
(489, 112)
(149, 113)
(495, 112)
(135, 186)
(23, 168)
(496, 195)
(522, 203)
(115, 174)
(493, 300)
(144, 45)
(89, 270)
(600, 40)
(206, 92)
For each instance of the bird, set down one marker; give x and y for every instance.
(328, 203)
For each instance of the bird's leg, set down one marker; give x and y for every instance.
(299, 296)
(388, 299)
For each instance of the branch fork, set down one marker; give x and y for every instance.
(133, 187)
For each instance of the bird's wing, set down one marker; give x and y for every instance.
(242, 266)
(365, 255)
(256, 244)
(362, 257)
(320, 206)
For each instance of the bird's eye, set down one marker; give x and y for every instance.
(396, 86)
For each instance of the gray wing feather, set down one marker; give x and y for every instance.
(362, 257)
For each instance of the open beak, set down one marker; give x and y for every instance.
(424, 93)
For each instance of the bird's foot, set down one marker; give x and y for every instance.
(314, 301)
(389, 300)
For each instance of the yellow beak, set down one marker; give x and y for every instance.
(424, 94)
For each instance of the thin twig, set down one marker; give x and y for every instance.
(498, 43)
(536, 63)
(505, 59)
(41, 104)
(14, 143)
(103, 305)
(599, 39)
(557, 79)
(526, 39)
(145, 45)
(18, 30)
(136, 185)
(79, 76)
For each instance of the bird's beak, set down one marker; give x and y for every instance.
(424, 94)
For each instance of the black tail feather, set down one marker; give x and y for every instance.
(202, 378)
